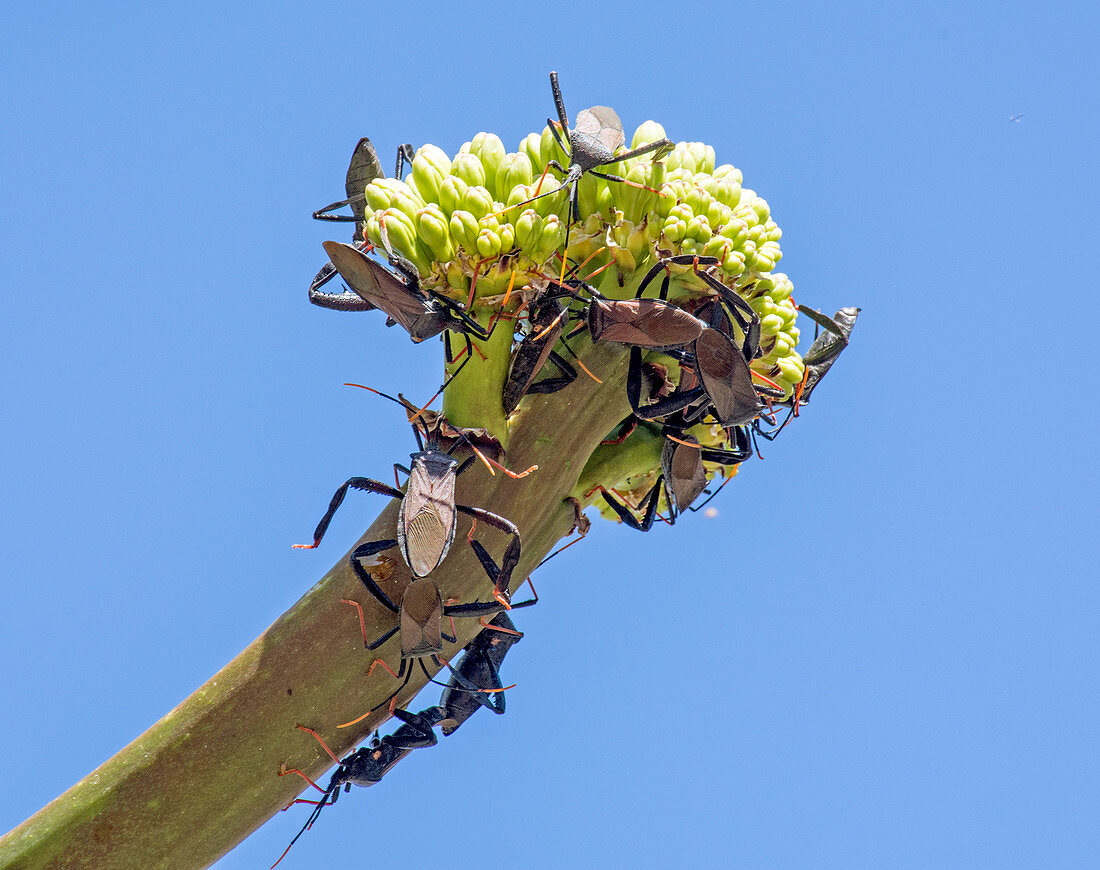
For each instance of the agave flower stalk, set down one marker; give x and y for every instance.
(207, 774)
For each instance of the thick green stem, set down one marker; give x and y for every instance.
(615, 466)
(205, 776)
(474, 397)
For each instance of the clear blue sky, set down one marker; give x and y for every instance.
(882, 651)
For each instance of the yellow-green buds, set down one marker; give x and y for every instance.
(468, 167)
(488, 148)
(429, 167)
(464, 229)
(650, 131)
(431, 227)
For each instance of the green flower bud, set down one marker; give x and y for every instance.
(431, 227)
(635, 202)
(705, 158)
(549, 149)
(727, 191)
(488, 243)
(792, 368)
(674, 229)
(729, 173)
(761, 262)
(770, 250)
(532, 147)
(771, 324)
(588, 194)
(452, 193)
(504, 230)
(516, 169)
(698, 230)
(762, 305)
(546, 205)
(733, 263)
(507, 237)
(429, 167)
(679, 160)
(717, 246)
(402, 238)
(674, 190)
(640, 244)
(718, 214)
(378, 196)
(372, 230)
(468, 167)
(783, 287)
(529, 232)
(698, 199)
(682, 211)
(763, 213)
(478, 201)
(553, 237)
(397, 228)
(402, 197)
(490, 150)
(648, 132)
(464, 229)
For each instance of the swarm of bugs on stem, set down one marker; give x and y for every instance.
(519, 262)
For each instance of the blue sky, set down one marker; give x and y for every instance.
(881, 652)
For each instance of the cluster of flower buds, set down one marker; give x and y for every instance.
(461, 220)
(494, 231)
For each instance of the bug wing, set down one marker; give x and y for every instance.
(376, 284)
(421, 620)
(727, 379)
(428, 516)
(363, 169)
(828, 345)
(683, 468)
(642, 322)
(602, 123)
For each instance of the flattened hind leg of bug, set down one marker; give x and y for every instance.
(364, 484)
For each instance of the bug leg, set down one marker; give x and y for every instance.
(660, 408)
(511, 552)
(658, 267)
(345, 301)
(661, 146)
(325, 214)
(559, 103)
(365, 484)
(418, 735)
(743, 313)
(649, 503)
(490, 696)
(405, 155)
(362, 552)
(552, 385)
(381, 640)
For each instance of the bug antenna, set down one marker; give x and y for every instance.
(309, 822)
(376, 392)
(558, 550)
(577, 359)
